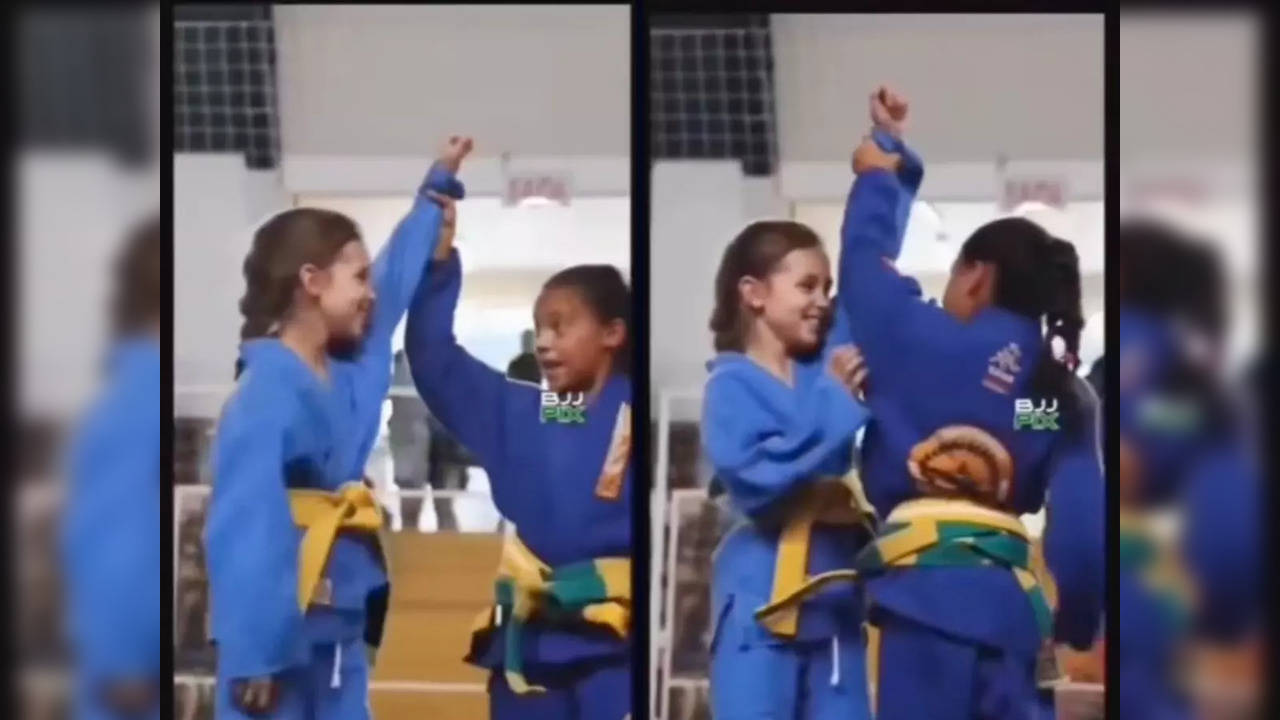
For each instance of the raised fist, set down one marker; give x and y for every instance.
(888, 110)
(455, 149)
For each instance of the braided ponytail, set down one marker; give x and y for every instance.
(280, 248)
(1038, 275)
(1063, 321)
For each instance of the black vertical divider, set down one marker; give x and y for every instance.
(1111, 404)
(641, 455)
(167, 322)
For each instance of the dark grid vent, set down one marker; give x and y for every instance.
(711, 90)
(224, 97)
(84, 80)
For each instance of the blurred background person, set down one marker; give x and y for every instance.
(111, 524)
(410, 437)
(1192, 296)
(525, 365)
(86, 126)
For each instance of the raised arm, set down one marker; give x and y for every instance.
(885, 311)
(252, 545)
(396, 273)
(761, 460)
(1075, 531)
(888, 111)
(474, 401)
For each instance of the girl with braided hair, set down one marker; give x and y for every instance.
(298, 584)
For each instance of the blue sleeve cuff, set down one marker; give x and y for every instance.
(442, 181)
(911, 171)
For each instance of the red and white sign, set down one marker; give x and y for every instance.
(536, 189)
(1051, 191)
(1145, 193)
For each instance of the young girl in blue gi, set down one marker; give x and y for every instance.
(111, 525)
(1182, 449)
(956, 615)
(779, 420)
(780, 415)
(298, 582)
(556, 639)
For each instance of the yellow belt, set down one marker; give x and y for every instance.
(838, 501)
(323, 514)
(598, 591)
(919, 521)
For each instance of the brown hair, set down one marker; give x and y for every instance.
(755, 252)
(281, 247)
(136, 302)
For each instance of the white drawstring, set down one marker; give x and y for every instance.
(336, 681)
(835, 661)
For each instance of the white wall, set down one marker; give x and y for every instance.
(73, 213)
(1189, 85)
(394, 80)
(1026, 86)
(217, 204)
(697, 207)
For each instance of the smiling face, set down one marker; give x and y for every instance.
(343, 292)
(794, 301)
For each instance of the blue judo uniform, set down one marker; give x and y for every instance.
(111, 532)
(960, 642)
(283, 430)
(769, 443)
(1185, 456)
(552, 481)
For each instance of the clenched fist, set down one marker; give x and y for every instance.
(888, 110)
(455, 149)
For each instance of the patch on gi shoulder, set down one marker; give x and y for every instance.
(1003, 368)
(609, 486)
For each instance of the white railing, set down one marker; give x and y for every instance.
(663, 529)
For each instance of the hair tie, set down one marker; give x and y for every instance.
(1062, 355)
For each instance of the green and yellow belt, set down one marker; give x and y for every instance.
(932, 532)
(595, 591)
(1158, 570)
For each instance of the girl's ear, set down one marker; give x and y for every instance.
(312, 279)
(753, 292)
(615, 334)
(984, 283)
